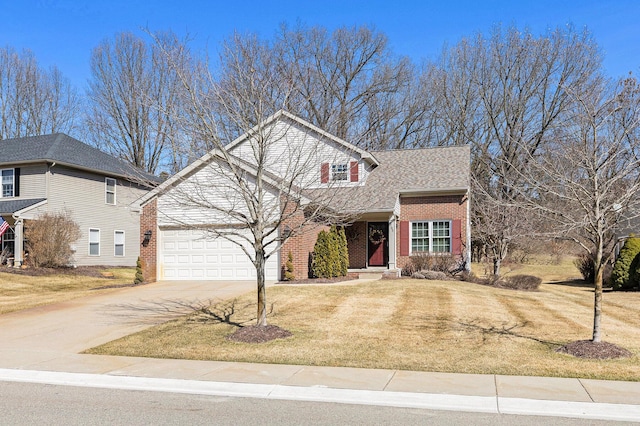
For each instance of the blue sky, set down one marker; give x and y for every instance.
(63, 32)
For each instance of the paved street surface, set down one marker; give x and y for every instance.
(22, 404)
(43, 345)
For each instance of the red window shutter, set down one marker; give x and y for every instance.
(354, 171)
(324, 172)
(456, 237)
(404, 238)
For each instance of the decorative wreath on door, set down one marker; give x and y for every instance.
(376, 236)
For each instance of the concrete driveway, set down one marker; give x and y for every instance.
(43, 333)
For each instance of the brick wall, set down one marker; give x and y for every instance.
(357, 244)
(300, 244)
(148, 251)
(449, 207)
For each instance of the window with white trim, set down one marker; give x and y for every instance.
(431, 236)
(110, 188)
(8, 183)
(7, 241)
(339, 171)
(118, 242)
(94, 242)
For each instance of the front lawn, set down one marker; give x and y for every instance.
(20, 291)
(409, 324)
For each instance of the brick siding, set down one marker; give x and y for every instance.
(148, 251)
(300, 244)
(449, 207)
(357, 244)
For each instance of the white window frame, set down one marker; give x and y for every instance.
(339, 175)
(107, 191)
(115, 243)
(13, 183)
(6, 238)
(93, 242)
(430, 237)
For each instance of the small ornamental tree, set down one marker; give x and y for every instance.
(330, 255)
(49, 239)
(139, 277)
(320, 266)
(622, 269)
(288, 271)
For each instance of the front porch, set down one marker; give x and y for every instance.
(372, 245)
(12, 241)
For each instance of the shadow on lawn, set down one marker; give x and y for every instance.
(572, 283)
(505, 329)
(194, 311)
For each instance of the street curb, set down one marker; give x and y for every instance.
(481, 404)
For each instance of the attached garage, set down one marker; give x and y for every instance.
(195, 255)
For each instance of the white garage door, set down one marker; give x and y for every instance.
(193, 255)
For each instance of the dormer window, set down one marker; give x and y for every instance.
(110, 195)
(8, 183)
(339, 171)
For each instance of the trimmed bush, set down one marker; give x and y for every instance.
(634, 274)
(444, 262)
(330, 254)
(522, 282)
(49, 239)
(138, 278)
(623, 270)
(288, 271)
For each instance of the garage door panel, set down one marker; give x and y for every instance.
(189, 254)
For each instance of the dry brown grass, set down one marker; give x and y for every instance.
(415, 325)
(19, 292)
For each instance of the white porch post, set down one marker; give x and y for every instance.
(18, 229)
(392, 242)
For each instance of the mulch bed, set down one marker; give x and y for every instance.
(319, 280)
(594, 350)
(258, 334)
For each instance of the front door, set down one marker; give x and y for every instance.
(378, 243)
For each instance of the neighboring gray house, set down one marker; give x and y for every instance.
(55, 173)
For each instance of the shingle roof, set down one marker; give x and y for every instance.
(64, 149)
(409, 171)
(12, 206)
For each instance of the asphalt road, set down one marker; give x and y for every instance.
(28, 403)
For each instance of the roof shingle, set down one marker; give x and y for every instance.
(64, 149)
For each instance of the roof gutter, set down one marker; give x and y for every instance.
(416, 192)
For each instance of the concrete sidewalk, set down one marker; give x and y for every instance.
(42, 345)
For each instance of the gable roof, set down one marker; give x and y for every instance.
(65, 150)
(282, 114)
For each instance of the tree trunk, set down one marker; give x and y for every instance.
(262, 293)
(597, 303)
(496, 266)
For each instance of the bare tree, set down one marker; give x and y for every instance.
(133, 102)
(588, 179)
(505, 95)
(247, 192)
(34, 101)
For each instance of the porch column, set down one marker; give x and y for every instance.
(392, 242)
(18, 250)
